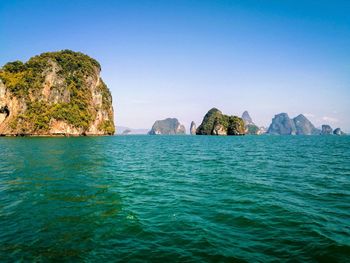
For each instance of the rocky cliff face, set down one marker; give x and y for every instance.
(300, 125)
(169, 126)
(304, 127)
(282, 125)
(56, 93)
(216, 123)
(326, 130)
(193, 128)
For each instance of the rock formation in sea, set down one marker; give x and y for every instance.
(169, 126)
(282, 125)
(300, 125)
(126, 132)
(304, 127)
(193, 128)
(326, 130)
(216, 123)
(250, 126)
(55, 93)
(246, 118)
(338, 131)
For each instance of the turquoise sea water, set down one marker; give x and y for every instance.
(175, 199)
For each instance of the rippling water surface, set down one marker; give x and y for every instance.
(179, 198)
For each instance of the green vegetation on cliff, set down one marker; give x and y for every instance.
(216, 123)
(71, 74)
(252, 129)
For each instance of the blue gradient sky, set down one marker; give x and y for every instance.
(180, 58)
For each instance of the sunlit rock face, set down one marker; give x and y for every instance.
(55, 93)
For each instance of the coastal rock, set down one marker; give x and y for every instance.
(219, 129)
(169, 126)
(250, 127)
(282, 125)
(235, 126)
(216, 123)
(55, 93)
(338, 131)
(326, 130)
(193, 128)
(262, 130)
(304, 127)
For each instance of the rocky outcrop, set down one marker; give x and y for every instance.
(250, 127)
(282, 125)
(326, 130)
(246, 118)
(216, 123)
(193, 128)
(300, 125)
(169, 126)
(338, 131)
(304, 127)
(55, 93)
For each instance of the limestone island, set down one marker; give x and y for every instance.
(169, 126)
(55, 93)
(300, 125)
(216, 123)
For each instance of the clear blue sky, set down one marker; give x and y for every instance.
(180, 58)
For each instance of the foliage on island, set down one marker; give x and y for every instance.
(216, 123)
(69, 80)
(252, 129)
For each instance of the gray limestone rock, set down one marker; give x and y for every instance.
(169, 126)
(282, 125)
(304, 126)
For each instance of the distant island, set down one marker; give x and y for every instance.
(122, 130)
(300, 125)
(169, 126)
(216, 123)
(62, 93)
(55, 93)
